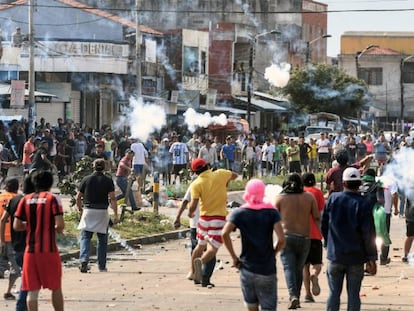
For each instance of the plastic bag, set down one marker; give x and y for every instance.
(380, 220)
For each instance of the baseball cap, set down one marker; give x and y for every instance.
(198, 164)
(369, 175)
(351, 174)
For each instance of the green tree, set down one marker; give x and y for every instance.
(326, 88)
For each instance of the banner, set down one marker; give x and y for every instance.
(17, 94)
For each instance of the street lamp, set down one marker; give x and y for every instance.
(402, 62)
(357, 56)
(308, 44)
(250, 79)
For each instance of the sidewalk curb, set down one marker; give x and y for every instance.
(146, 240)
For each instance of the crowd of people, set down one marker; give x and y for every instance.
(302, 217)
(346, 220)
(170, 151)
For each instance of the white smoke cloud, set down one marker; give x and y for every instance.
(271, 191)
(400, 169)
(143, 118)
(278, 75)
(194, 119)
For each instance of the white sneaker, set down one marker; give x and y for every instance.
(190, 276)
(198, 267)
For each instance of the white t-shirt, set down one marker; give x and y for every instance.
(323, 145)
(194, 220)
(267, 152)
(390, 189)
(140, 153)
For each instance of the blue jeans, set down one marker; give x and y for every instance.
(276, 167)
(21, 298)
(101, 248)
(293, 257)
(122, 183)
(259, 289)
(354, 275)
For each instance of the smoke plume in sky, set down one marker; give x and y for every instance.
(194, 119)
(143, 119)
(278, 75)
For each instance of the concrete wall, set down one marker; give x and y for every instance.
(313, 26)
(387, 97)
(353, 41)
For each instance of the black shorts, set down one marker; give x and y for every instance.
(294, 167)
(324, 157)
(410, 228)
(178, 167)
(315, 252)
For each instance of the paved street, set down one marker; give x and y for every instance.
(153, 278)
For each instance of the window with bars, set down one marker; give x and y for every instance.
(408, 72)
(372, 76)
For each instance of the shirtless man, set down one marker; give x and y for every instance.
(295, 207)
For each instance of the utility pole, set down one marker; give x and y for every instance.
(138, 51)
(308, 47)
(32, 103)
(250, 82)
(402, 62)
(250, 91)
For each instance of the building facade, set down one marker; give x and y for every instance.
(84, 57)
(385, 61)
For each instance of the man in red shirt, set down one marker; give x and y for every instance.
(124, 172)
(40, 214)
(315, 252)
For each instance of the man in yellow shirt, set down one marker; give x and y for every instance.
(210, 189)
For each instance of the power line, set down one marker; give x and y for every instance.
(177, 10)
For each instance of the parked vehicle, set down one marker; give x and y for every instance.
(315, 131)
(326, 119)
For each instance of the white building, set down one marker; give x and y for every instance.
(82, 56)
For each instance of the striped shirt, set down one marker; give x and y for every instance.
(179, 153)
(38, 210)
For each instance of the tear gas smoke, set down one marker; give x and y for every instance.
(400, 170)
(271, 191)
(278, 75)
(143, 119)
(194, 119)
(247, 12)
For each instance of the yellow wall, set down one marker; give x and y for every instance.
(355, 43)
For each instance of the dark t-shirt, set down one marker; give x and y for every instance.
(18, 237)
(95, 156)
(38, 163)
(256, 228)
(95, 189)
(303, 151)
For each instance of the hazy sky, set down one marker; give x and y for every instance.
(340, 22)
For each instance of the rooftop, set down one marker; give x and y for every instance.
(378, 34)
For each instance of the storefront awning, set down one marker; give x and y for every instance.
(5, 89)
(262, 104)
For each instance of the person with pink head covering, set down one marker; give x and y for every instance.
(256, 220)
